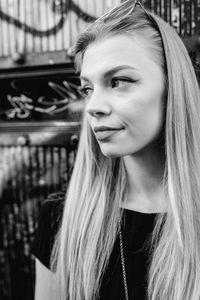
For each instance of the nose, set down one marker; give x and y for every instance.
(98, 104)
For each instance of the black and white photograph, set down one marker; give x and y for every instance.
(99, 150)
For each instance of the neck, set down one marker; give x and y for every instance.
(144, 191)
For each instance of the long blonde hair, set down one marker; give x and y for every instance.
(92, 212)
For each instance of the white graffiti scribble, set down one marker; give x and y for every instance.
(22, 106)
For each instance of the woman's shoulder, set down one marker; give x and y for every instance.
(51, 211)
(48, 221)
(52, 208)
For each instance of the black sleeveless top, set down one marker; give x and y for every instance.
(136, 232)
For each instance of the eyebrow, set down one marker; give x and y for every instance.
(111, 72)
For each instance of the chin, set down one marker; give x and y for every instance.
(117, 152)
(112, 153)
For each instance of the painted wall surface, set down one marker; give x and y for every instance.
(45, 25)
(29, 26)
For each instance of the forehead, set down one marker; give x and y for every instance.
(113, 52)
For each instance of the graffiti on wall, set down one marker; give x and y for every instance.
(45, 25)
(57, 7)
(50, 25)
(54, 100)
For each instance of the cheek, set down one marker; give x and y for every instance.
(145, 113)
(153, 120)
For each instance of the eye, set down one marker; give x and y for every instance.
(85, 91)
(121, 82)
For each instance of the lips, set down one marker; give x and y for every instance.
(105, 132)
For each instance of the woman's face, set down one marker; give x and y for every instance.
(124, 90)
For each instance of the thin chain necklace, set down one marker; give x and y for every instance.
(123, 265)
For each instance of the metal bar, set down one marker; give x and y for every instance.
(46, 164)
(24, 31)
(16, 159)
(54, 35)
(190, 14)
(42, 24)
(39, 24)
(35, 166)
(55, 168)
(60, 166)
(159, 7)
(30, 169)
(36, 23)
(47, 155)
(2, 172)
(180, 17)
(21, 175)
(198, 14)
(41, 170)
(14, 172)
(170, 11)
(52, 168)
(11, 35)
(29, 39)
(1, 34)
(33, 24)
(62, 31)
(20, 31)
(77, 21)
(45, 169)
(195, 6)
(50, 24)
(37, 170)
(4, 34)
(165, 10)
(26, 176)
(155, 7)
(21, 194)
(27, 245)
(7, 29)
(7, 253)
(70, 25)
(184, 19)
(47, 21)
(66, 163)
(16, 15)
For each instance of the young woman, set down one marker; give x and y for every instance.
(130, 225)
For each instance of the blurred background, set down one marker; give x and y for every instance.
(40, 113)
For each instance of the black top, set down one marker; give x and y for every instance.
(136, 233)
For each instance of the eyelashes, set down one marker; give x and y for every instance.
(119, 83)
(85, 91)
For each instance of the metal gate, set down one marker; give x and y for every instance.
(183, 15)
(38, 137)
(32, 165)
